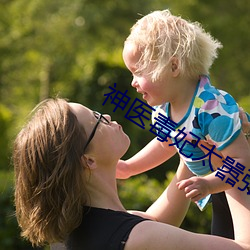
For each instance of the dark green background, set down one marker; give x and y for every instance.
(72, 48)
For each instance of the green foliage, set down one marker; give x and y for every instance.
(245, 103)
(228, 22)
(9, 231)
(197, 221)
(73, 48)
(139, 192)
(5, 124)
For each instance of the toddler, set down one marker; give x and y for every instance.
(170, 59)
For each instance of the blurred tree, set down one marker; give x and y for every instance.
(51, 47)
(244, 102)
(5, 123)
(10, 238)
(227, 21)
(72, 48)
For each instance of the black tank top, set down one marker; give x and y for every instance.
(102, 229)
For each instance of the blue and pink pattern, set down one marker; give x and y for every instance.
(213, 115)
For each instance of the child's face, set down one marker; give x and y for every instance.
(154, 93)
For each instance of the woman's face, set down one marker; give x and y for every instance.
(109, 139)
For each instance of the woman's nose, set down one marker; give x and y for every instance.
(108, 117)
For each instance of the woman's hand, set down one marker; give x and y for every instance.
(245, 123)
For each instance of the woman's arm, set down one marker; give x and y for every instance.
(198, 187)
(245, 124)
(171, 207)
(239, 151)
(159, 236)
(239, 201)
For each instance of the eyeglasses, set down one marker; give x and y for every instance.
(100, 118)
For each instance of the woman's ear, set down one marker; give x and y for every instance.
(89, 161)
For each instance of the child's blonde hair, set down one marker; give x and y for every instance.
(161, 36)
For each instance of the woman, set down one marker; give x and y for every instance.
(65, 188)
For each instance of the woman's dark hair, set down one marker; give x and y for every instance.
(49, 180)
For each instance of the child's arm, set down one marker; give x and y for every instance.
(198, 187)
(152, 155)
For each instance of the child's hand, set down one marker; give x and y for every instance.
(122, 170)
(194, 187)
